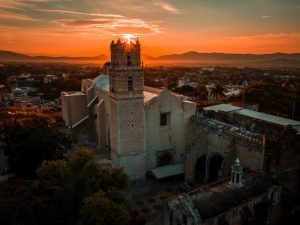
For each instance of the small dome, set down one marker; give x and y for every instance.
(102, 82)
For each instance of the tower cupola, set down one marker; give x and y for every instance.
(237, 174)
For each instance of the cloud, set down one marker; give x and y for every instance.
(266, 17)
(15, 16)
(168, 7)
(267, 36)
(113, 25)
(81, 13)
(83, 23)
(12, 4)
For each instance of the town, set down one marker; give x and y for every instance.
(202, 125)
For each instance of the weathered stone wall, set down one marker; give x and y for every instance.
(171, 137)
(227, 141)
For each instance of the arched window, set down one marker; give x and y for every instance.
(128, 60)
(130, 83)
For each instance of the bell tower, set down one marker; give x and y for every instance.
(127, 108)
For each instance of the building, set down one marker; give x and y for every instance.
(219, 134)
(49, 78)
(143, 128)
(238, 200)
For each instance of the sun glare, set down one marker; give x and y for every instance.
(129, 37)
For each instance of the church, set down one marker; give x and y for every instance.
(143, 128)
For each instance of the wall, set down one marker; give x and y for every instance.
(171, 137)
(204, 140)
(73, 108)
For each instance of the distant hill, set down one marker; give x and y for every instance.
(191, 58)
(7, 56)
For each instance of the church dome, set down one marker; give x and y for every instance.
(102, 82)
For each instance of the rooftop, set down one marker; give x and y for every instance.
(149, 96)
(268, 118)
(216, 198)
(253, 114)
(222, 107)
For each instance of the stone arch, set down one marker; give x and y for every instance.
(164, 158)
(215, 166)
(200, 169)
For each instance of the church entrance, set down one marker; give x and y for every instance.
(200, 170)
(164, 159)
(215, 165)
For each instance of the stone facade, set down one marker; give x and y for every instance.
(143, 128)
(219, 134)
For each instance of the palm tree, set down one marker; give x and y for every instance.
(218, 91)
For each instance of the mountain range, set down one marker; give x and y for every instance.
(192, 58)
(8, 56)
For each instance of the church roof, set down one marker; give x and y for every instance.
(102, 82)
(216, 198)
(149, 96)
(268, 118)
(222, 107)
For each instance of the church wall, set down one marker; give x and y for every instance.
(127, 136)
(103, 117)
(168, 138)
(133, 165)
(74, 108)
(206, 141)
(250, 158)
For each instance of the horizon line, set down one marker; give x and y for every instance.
(167, 54)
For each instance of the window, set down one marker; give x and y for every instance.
(128, 61)
(237, 178)
(130, 83)
(164, 119)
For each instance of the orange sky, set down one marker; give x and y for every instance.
(86, 27)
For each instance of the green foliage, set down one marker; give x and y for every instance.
(185, 90)
(274, 98)
(69, 192)
(218, 91)
(98, 209)
(201, 92)
(53, 90)
(28, 143)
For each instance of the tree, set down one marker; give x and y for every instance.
(29, 142)
(98, 209)
(53, 89)
(201, 92)
(71, 191)
(218, 91)
(185, 90)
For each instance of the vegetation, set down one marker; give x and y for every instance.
(53, 90)
(282, 100)
(70, 191)
(29, 142)
(218, 91)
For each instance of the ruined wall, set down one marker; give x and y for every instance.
(207, 137)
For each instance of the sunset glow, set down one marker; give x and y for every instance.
(83, 28)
